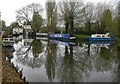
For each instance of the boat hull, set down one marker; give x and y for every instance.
(61, 37)
(65, 43)
(100, 39)
(101, 42)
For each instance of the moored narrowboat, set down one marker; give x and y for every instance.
(101, 37)
(61, 36)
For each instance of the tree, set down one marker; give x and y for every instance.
(114, 28)
(69, 12)
(64, 15)
(3, 24)
(98, 16)
(51, 10)
(88, 13)
(106, 20)
(14, 24)
(25, 14)
(119, 19)
(36, 22)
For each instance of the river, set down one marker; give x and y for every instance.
(42, 60)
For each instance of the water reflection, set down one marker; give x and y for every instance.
(71, 68)
(117, 70)
(29, 53)
(50, 62)
(7, 53)
(37, 47)
(55, 61)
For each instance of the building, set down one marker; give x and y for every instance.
(27, 29)
(17, 30)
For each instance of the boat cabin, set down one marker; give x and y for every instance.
(8, 40)
(107, 35)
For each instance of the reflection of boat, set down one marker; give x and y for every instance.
(65, 43)
(61, 36)
(106, 44)
(8, 41)
(101, 45)
(19, 45)
(101, 37)
(42, 34)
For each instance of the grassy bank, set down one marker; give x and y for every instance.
(118, 42)
(82, 37)
(8, 72)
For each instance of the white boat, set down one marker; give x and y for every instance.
(8, 40)
(101, 37)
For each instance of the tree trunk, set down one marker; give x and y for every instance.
(66, 28)
(71, 25)
(89, 26)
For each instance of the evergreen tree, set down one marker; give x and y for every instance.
(51, 10)
(106, 21)
(36, 22)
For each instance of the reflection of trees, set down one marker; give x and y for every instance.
(116, 71)
(30, 61)
(7, 52)
(103, 61)
(106, 54)
(73, 67)
(51, 61)
(37, 47)
(118, 54)
(30, 56)
(107, 60)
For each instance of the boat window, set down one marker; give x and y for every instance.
(98, 36)
(11, 39)
(5, 39)
(103, 36)
(108, 35)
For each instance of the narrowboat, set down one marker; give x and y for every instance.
(61, 36)
(65, 43)
(101, 37)
(7, 42)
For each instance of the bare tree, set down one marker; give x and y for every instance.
(25, 14)
(88, 13)
(69, 11)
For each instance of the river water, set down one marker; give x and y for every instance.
(42, 60)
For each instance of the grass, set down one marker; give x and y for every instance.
(118, 42)
(82, 37)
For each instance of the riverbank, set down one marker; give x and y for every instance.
(118, 42)
(8, 73)
(82, 37)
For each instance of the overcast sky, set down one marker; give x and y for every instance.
(8, 7)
